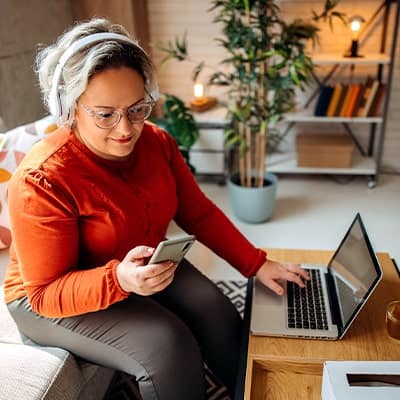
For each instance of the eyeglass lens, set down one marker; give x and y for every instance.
(135, 114)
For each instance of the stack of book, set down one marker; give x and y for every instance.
(353, 100)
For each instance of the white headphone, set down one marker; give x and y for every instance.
(56, 102)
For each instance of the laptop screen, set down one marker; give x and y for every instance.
(355, 271)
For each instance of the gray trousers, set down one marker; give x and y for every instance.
(162, 339)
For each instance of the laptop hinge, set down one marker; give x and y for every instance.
(333, 301)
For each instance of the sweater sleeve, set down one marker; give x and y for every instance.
(46, 242)
(198, 215)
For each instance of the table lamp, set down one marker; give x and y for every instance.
(355, 25)
(200, 102)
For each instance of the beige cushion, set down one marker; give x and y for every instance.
(29, 372)
(46, 373)
(8, 329)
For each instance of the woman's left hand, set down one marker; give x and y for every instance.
(273, 271)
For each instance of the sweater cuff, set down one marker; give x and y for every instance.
(260, 259)
(113, 265)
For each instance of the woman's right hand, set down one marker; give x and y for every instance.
(136, 277)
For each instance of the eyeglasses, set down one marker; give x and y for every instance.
(107, 118)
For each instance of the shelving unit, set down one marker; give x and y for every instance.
(209, 155)
(366, 161)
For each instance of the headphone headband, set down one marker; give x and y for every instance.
(55, 100)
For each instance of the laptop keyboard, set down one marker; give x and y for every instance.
(306, 306)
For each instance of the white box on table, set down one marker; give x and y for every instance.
(361, 380)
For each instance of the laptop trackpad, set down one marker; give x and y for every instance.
(264, 296)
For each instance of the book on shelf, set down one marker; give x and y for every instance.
(369, 99)
(324, 98)
(359, 100)
(347, 99)
(354, 93)
(341, 100)
(377, 104)
(363, 100)
(337, 91)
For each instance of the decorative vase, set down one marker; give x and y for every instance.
(253, 204)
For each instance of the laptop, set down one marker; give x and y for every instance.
(328, 306)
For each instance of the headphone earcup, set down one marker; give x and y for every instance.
(57, 105)
(62, 107)
(155, 93)
(54, 102)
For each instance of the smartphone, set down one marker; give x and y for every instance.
(172, 249)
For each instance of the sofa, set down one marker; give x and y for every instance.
(29, 371)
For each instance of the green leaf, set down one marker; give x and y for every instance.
(179, 122)
(197, 70)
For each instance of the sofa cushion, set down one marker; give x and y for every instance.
(14, 144)
(38, 372)
(29, 372)
(8, 329)
(46, 373)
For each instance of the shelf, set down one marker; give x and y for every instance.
(213, 117)
(307, 116)
(286, 163)
(331, 66)
(368, 59)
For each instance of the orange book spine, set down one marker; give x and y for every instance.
(346, 100)
(359, 100)
(353, 100)
(342, 97)
(334, 100)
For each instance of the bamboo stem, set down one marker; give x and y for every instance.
(264, 128)
(241, 155)
(262, 147)
(257, 161)
(249, 147)
(248, 156)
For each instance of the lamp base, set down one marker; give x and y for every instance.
(350, 55)
(353, 50)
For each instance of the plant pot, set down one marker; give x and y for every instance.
(253, 205)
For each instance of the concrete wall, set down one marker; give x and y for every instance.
(24, 24)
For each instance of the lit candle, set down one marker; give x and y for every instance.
(198, 90)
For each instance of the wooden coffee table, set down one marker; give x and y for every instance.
(281, 368)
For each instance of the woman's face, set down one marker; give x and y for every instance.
(115, 89)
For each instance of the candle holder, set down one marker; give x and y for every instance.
(204, 103)
(201, 103)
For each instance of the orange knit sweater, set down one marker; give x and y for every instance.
(74, 215)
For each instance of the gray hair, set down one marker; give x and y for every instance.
(88, 61)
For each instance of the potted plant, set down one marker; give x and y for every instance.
(267, 61)
(178, 121)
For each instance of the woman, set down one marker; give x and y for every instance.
(88, 205)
